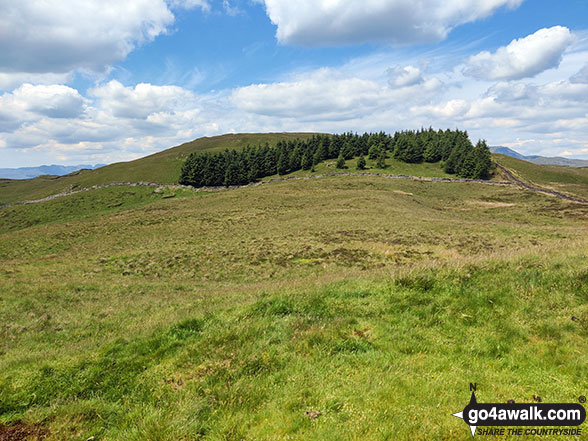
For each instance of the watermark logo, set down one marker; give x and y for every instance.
(500, 415)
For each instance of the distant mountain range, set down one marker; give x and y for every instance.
(33, 172)
(542, 160)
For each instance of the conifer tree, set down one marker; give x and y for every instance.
(468, 165)
(283, 163)
(348, 151)
(483, 161)
(374, 151)
(432, 152)
(361, 163)
(306, 162)
(381, 161)
(296, 159)
(340, 161)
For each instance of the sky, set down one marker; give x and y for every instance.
(103, 81)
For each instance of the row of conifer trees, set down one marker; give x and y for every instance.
(451, 148)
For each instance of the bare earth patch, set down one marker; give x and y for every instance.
(488, 204)
(20, 431)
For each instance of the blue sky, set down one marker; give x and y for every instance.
(106, 81)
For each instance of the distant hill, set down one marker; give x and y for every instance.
(541, 160)
(162, 167)
(569, 180)
(33, 172)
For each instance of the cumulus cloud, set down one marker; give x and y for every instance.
(54, 101)
(59, 36)
(142, 100)
(329, 22)
(447, 110)
(114, 121)
(399, 76)
(10, 81)
(524, 57)
(326, 94)
(511, 91)
(29, 103)
(319, 95)
(33, 116)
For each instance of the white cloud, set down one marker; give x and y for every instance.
(327, 95)
(318, 96)
(581, 76)
(10, 81)
(510, 91)
(54, 101)
(525, 57)
(142, 100)
(114, 122)
(30, 103)
(190, 4)
(399, 76)
(447, 110)
(342, 22)
(60, 36)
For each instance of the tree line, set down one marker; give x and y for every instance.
(451, 148)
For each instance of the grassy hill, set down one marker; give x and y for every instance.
(340, 308)
(162, 167)
(571, 180)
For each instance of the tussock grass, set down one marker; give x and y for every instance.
(231, 315)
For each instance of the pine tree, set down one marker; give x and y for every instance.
(452, 163)
(322, 152)
(335, 146)
(306, 162)
(232, 175)
(348, 150)
(374, 151)
(296, 159)
(361, 163)
(468, 165)
(283, 163)
(381, 161)
(483, 161)
(340, 161)
(432, 152)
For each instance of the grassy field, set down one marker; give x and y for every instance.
(393, 167)
(242, 314)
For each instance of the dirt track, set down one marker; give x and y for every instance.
(558, 195)
(289, 178)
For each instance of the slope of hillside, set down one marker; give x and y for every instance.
(162, 167)
(261, 312)
(573, 181)
(540, 160)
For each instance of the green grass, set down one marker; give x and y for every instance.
(84, 204)
(228, 315)
(389, 358)
(393, 167)
(571, 180)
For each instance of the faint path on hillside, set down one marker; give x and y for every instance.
(254, 184)
(96, 187)
(557, 194)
